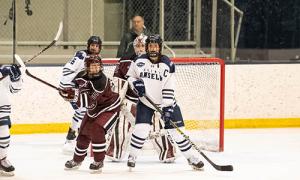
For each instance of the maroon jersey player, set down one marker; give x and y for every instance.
(95, 94)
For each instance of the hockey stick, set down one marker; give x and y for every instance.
(218, 167)
(22, 64)
(43, 50)
(51, 44)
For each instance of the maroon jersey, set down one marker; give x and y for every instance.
(96, 95)
(121, 71)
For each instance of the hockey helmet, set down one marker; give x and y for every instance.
(138, 41)
(89, 61)
(154, 39)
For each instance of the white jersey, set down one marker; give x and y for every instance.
(72, 68)
(158, 78)
(6, 88)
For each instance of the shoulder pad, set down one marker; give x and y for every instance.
(164, 59)
(80, 55)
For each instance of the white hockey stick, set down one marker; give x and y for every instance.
(51, 44)
(22, 63)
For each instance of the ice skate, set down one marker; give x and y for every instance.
(195, 163)
(6, 169)
(131, 162)
(169, 160)
(96, 167)
(71, 164)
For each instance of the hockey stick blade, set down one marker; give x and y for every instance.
(20, 61)
(217, 167)
(51, 44)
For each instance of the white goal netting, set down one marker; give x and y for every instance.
(200, 95)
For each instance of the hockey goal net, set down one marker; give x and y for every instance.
(200, 94)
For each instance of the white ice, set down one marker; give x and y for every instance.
(256, 154)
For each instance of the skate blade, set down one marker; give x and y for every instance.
(198, 169)
(99, 171)
(70, 169)
(7, 174)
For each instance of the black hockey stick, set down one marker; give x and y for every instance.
(218, 167)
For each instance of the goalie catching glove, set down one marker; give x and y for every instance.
(168, 116)
(69, 94)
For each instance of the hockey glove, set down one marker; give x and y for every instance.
(5, 71)
(69, 94)
(15, 73)
(168, 115)
(139, 87)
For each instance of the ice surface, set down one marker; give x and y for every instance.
(256, 154)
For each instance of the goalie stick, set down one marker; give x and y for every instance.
(218, 167)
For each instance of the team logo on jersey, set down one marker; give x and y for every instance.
(140, 64)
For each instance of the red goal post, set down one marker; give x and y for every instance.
(200, 90)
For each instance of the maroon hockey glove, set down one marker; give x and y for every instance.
(69, 94)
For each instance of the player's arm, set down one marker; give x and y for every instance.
(71, 69)
(132, 74)
(168, 87)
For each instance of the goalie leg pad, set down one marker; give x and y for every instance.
(162, 144)
(119, 139)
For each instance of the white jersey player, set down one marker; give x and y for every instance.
(122, 132)
(70, 70)
(153, 74)
(10, 82)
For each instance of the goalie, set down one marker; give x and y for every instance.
(122, 132)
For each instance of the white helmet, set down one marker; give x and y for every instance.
(140, 39)
(139, 45)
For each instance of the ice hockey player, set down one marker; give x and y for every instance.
(152, 74)
(94, 93)
(70, 70)
(10, 82)
(122, 132)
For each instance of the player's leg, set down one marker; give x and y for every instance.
(104, 122)
(163, 145)
(184, 146)
(140, 132)
(73, 129)
(83, 141)
(6, 168)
